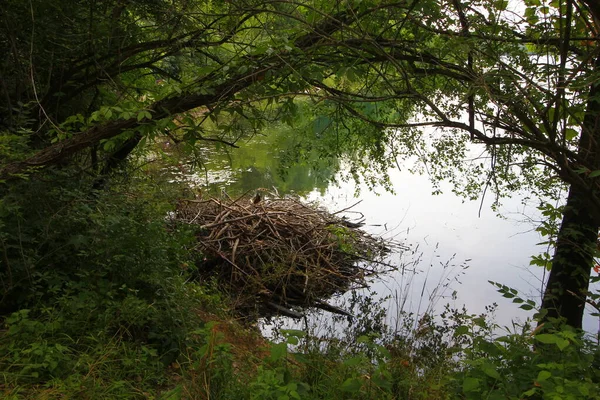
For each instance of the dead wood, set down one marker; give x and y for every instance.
(280, 253)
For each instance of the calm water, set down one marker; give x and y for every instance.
(455, 247)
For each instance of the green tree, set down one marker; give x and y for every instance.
(519, 78)
(522, 81)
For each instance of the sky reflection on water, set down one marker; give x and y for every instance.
(450, 231)
(443, 230)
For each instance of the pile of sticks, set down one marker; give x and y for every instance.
(279, 254)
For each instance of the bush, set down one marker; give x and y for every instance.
(91, 281)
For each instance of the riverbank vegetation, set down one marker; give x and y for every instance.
(109, 304)
(101, 292)
(112, 309)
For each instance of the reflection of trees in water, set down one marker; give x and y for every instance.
(273, 161)
(252, 178)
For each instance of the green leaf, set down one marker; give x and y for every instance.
(109, 145)
(351, 385)
(584, 390)
(293, 332)
(562, 344)
(382, 382)
(461, 330)
(501, 4)
(278, 351)
(293, 340)
(546, 338)
(301, 358)
(352, 361)
(496, 395)
(470, 384)
(532, 18)
(595, 173)
(490, 371)
(543, 375)
(363, 339)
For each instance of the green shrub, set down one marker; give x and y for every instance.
(557, 363)
(92, 280)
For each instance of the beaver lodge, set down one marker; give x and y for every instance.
(279, 255)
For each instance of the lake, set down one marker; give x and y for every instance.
(456, 245)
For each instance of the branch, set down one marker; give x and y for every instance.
(594, 7)
(167, 107)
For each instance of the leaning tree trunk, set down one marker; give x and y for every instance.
(572, 262)
(568, 283)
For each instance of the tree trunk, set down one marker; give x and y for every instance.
(569, 279)
(115, 159)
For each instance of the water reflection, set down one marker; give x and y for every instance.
(447, 233)
(279, 159)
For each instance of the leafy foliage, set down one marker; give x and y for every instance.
(95, 286)
(87, 278)
(104, 307)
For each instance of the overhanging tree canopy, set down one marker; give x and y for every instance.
(518, 78)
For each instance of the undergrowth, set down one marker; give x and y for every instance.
(101, 300)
